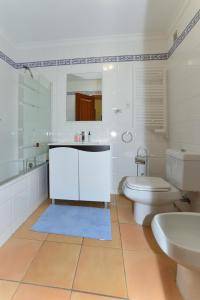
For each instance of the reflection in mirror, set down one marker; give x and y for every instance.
(84, 97)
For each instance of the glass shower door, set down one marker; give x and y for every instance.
(34, 119)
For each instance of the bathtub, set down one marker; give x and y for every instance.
(20, 195)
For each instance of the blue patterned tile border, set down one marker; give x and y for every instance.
(106, 59)
(93, 60)
(185, 32)
(7, 59)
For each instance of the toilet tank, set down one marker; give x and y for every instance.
(183, 169)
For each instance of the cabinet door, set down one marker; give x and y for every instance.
(94, 176)
(63, 173)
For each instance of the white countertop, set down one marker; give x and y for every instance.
(79, 144)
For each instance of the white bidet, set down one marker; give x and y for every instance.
(178, 235)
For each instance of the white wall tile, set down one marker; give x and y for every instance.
(184, 89)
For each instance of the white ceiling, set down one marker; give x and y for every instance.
(25, 21)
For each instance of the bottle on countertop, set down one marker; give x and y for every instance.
(82, 136)
(89, 137)
(77, 138)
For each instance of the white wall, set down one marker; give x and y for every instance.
(123, 45)
(184, 88)
(118, 87)
(7, 47)
(8, 107)
(188, 11)
(118, 90)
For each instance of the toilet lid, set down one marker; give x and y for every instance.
(143, 183)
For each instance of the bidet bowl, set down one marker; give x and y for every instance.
(178, 235)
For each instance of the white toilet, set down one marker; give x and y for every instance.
(154, 195)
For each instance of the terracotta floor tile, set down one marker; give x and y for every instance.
(7, 289)
(16, 256)
(113, 200)
(113, 213)
(31, 292)
(59, 238)
(123, 201)
(115, 243)
(42, 207)
(101, 270)
(125, 215)
(25, 232)
(84, 296)
(54, 265)
(31, 220)
(150, 277)
(136, 237)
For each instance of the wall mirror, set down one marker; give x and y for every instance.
(84, 97)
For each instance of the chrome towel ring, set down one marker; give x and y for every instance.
(127, 137)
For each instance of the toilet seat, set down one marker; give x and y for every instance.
(155, 198)
(151, 184)
(151, 195)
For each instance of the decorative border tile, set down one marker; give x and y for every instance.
(185, 32)
(92, 60)
(7, 59)
(106, 59)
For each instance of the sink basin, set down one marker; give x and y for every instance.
(178, 235)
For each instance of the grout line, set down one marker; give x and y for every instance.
(55, 242)
(102, 247)
(60, 288)
(42, 243)
(29, 239)
(45, 286)
(123, 262)
(81, 246)
(97, 294)
(15, 291)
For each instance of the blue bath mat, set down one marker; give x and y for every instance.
(79, 221)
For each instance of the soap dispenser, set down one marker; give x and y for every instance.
(82, 136)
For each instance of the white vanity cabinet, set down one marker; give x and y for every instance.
(63, 171)
(79, 172)
(94, 176)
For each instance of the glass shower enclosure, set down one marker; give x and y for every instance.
(34, 125)
(34, 120)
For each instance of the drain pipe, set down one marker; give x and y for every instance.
(183, 204)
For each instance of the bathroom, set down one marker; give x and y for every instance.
(143, 50)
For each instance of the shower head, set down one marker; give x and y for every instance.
(28, 69)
